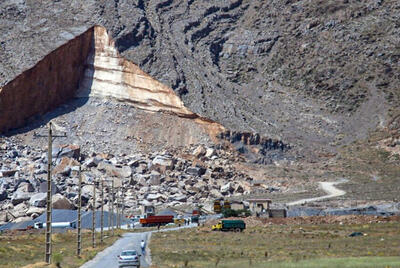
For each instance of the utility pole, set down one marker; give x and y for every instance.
(118, 216)
(79, 238)
(94, 216)
(102, 212)
(112, 208)
(48, 200)
(123, 202)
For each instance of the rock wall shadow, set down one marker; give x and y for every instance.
(71, 73)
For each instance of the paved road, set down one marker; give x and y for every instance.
(108, 257)
(328, 187)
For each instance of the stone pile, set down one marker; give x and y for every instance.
(197, 174)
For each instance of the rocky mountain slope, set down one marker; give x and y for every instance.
(311, 72)
(174, 98)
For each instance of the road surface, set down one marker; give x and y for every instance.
(328, 187)
(108, 257)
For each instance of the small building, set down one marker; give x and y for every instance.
(148, 210)
(237, 205)
(259, 205)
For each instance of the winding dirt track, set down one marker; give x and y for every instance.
(328, 187)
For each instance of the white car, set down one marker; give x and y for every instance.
(129, 258)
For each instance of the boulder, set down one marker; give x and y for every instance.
(152, 197)
(179, 197)
(162, 163)
(92, 162)
(155, 178)
(113, 171)
(19, 210)
(38, 200)
(25, 187)
(3, 195)
(210, 152)
(22, 219)
(19, 197)
(61, 202)
(7, 173)
(43, 187)
(216, 194)
(126, 171)
(195, 171)
(65, 165)
(200, 151)
(226, 189)
(35, 210)
(70, 151)
(87, 191)
(3, 217)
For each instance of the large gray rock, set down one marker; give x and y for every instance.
(25, 187)
(179, 197)
(38, 200)
(7, 173)
(162, 163)
(19, 197)
(35, 211)
(3, 195)
(153, 197)
(43, 187)
(155, 178)
(70, 151)
(4, 217)
(61, 202)
(227, 188)
(19, 210)
(216, 194)
(195, 171)
(92, 162)
(210, 152)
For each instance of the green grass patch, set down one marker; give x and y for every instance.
(326, 245)
(21, 249)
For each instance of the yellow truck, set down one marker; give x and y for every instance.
(230, 225)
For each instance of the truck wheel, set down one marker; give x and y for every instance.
(237, 230)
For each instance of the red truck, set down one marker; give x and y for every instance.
(156, 220)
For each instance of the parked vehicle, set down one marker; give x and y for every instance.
(230, 225)
(217, 206)
(156, 220)
(129, 258)
(195, 216)
(179, 221)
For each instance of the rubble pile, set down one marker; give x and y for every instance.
(195, 174)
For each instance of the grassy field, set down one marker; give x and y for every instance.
(327, 245)
(27, 250)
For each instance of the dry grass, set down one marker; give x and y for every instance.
(276, 244)
(27, 249)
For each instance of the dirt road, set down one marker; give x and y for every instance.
(328, 187)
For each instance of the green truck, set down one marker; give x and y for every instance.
(229, 225)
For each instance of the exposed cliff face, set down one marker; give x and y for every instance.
(90, 66)
(306, 71)
(107, 74)
(51, 82)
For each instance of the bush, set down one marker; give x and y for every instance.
(236, 213)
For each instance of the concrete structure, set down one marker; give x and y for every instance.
(259, 205)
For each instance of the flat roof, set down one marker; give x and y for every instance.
(259, 200)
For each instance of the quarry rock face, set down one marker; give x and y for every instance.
(107, 74)
(90, 66)
(51, 82)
